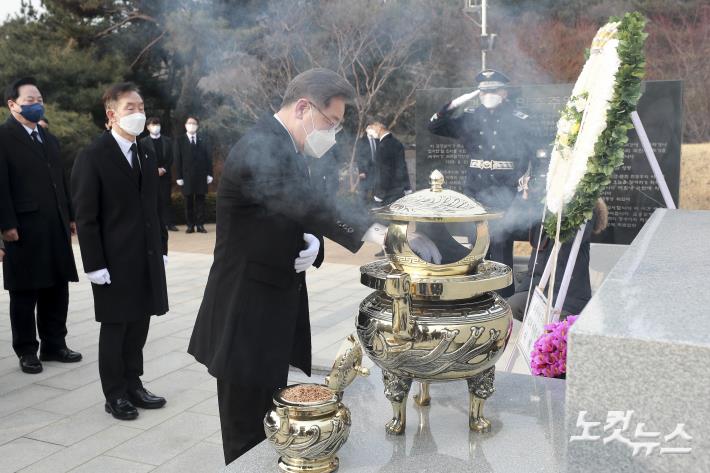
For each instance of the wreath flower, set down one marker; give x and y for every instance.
(549, 355)
(593, 126)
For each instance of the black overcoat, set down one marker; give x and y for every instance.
(391, 176)
(192, 164)
(34, 199)
(253, 321)
(120, 229)
(164, 159)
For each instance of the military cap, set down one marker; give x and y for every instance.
(490, 79)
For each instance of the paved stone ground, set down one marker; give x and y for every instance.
(55, 422)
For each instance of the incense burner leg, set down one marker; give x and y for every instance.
(396, 391)
(480, 388)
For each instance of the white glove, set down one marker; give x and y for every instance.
(165, 261)
(377, 199)
(180, 182)
(308, 256)
(99, 277)
(210, 179)
(408, 191)
(424, 248)
(458, 101)
(376, 234)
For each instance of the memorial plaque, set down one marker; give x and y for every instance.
(633, 193)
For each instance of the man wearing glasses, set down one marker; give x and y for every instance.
(253, 322)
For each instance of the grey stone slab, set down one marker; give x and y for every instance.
(26, 397)
(209, 407)
(78, 375)
(74, 401)
(527, 432)
(108, 464)
(168, 439)
(14, 380)
(162, 365)
(76, 427)
(22, 452)
(84, 451)
(23, 422)
(642, 344)
(204, 457)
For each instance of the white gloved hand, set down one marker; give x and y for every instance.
(99, 277)
(424, 248)
(165, 261)
(180, 182)
(377, 199)
(307, 257)
(376, 234)
(408, 191)
(210, 179)
(458, 101)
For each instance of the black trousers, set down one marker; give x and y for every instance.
(121, 356)
(52, 304)
(501, 250)
(195, 209)
(166, 208)
(241, 415)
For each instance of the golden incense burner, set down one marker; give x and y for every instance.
(308, 433)
(435, 322)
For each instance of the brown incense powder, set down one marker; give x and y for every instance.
(307, 393)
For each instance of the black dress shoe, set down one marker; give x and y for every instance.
(30, 364)
(201, 229)
(190, 230)
(121, 409)
(141, 397)
(172, 228)
(64, 355)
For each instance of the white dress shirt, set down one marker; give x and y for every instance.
(32, 130)
(191, 138)
(125, 146)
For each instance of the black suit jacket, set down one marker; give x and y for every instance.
(191, 167)
(34, 199)
(392, 178)
(165, 159)
(366, 163)
(119, 229)
(254, 321)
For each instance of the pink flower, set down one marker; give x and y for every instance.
(549, 355)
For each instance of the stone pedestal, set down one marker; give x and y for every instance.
(642, 347)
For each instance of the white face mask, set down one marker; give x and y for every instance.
(318, 142)
(154, 129)
(191, 128)
(491, 100)
(133, 124)
(371, 133)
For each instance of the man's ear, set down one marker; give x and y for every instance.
(300, 108)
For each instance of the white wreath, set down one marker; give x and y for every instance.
(583, 119)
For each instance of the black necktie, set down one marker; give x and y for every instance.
(193, 142)
(135, 162)
(35, 139)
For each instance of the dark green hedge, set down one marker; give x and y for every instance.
(178, 205)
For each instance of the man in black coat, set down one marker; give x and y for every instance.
(497, 139)
(366, 154)
(253, 322)
(37, 220)
(193, 170)
(123, 248)
(391, 176)
(160, 146)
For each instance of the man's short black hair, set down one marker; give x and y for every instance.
(115, 91)
(153, 121)
(193, 117)
(319, 85)
(12, 91)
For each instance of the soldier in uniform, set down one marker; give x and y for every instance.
(499, 146)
